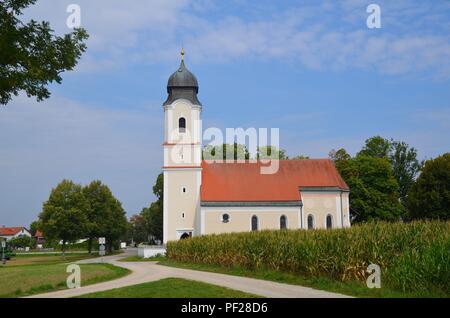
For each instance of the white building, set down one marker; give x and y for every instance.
(205, 198)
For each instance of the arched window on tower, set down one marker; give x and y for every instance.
(182, 125)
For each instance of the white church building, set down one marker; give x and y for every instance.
(203, 197)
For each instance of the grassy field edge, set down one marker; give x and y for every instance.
(350, 288)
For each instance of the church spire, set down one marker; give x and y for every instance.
(182, 54)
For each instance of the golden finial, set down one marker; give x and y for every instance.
(182, 54)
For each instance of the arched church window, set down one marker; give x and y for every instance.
(310, 222)
(329, 221)
(182, 125)
(254, 223)
(283, 222)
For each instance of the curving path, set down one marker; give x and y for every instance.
(143, 272)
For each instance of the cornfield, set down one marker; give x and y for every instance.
(413, 256)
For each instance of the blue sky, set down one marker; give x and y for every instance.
(311, 68)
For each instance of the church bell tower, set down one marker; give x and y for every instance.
(182, 156)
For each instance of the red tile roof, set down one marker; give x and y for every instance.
(10, 231)
(38, 234)
(243, 182)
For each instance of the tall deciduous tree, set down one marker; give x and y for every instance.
(139, 231)
(374, 190)
(31, 55)
(63, 216)
(429, 197)
(105, 215)
(405, 166)
(376, 147)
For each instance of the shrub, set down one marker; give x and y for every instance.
(412, 257)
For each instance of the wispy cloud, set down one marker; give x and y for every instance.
(316, 34)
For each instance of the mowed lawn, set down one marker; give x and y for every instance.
(28, 275)
(31, 259)
(171, 288)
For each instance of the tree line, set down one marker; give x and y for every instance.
(74, 212)
(388, 182)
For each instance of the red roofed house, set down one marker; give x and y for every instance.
(12, 232)
(203, 197)
(40, 239)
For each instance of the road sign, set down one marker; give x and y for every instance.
(101, 250)
(101, 240)
(3, 244)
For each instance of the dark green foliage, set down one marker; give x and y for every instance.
(73, 212)
(106, 217)
(31, 56)
(22, 242)
(63, 216)
(148, 225)
(376, 147)
(374, 190)
(429, 197)
(379, 177)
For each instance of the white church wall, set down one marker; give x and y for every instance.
(240, 218)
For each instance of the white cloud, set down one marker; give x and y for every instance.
(318, 35)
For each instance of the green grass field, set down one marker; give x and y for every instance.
(46, 259)
(171, 288)
(28, 275)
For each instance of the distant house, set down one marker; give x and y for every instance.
(9, 233)
(39, 237)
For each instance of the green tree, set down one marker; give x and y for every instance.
(340, 155)
(115, 225)
(63, 216)
(105, 215)
(153, 215)
(374, 190)
(403, 158)
(139, 231)
(226, 151)
(299, 157)
(34, 226)
(377, 147)
(429, 197)
(405, 167)
(271, 152)
(21, 241)
(32, 56)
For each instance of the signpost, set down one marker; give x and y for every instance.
(3, 251)
(101, 248)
